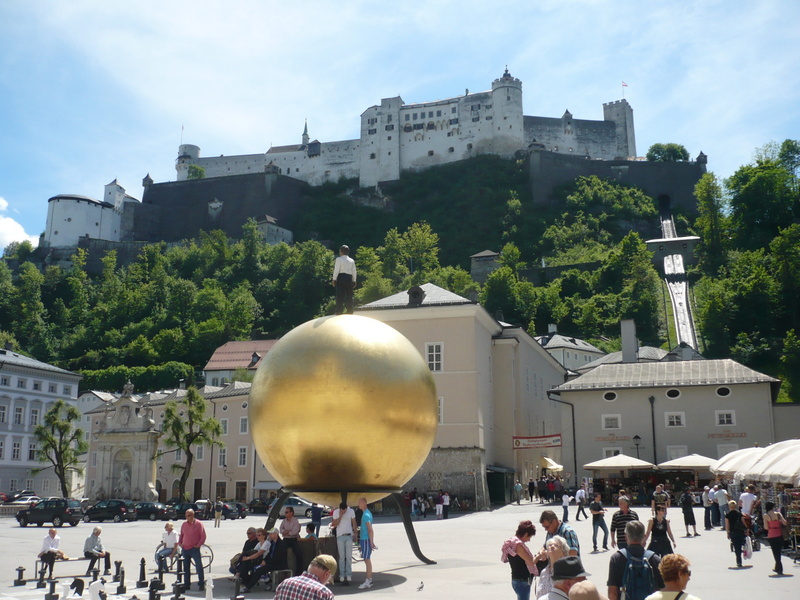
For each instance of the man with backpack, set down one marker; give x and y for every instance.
(634, 570)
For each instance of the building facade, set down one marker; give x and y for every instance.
(28, 389)
(675, 407)
(492, 381)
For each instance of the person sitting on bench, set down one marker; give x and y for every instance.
(50, 551)
(275, 559)
(93, 550)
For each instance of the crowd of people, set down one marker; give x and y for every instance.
(645, 564)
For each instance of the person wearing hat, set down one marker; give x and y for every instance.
(275, 558)
(311, 584)
(567, 572)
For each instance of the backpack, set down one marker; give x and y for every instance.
(638, 580)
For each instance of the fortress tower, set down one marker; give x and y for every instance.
(621, 113)
(507, 118)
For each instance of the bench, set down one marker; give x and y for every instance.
(39, 564)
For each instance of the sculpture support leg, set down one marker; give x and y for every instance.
(276, 510)
(409, 526)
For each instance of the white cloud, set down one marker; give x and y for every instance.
(10, 230)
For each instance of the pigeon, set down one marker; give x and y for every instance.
(420, 586)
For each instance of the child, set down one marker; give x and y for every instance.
(310, 535)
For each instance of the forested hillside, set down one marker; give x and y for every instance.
(170, 309)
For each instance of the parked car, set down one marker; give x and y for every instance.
(13, 496)
(258, 506)
(302, 508)
(154, 511)
(242, 508)
(111, 510)
(26, 501)
(205, 509)
(56, 511)
(181, 508)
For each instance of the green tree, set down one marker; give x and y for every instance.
(186, 425)
(790, 361)
(711, 224)
(60, 442)
(667, 153)
(196, 172)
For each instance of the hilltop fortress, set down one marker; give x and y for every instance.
(397, 137)
(271, 187)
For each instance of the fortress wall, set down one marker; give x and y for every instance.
(220, 166)
(673, 180)
(576, 137)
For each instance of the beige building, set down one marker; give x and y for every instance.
(492, 380)
(125, 453)
(675, 407)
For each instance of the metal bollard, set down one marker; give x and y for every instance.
(117, 567)
(95, 574)
(20, 580)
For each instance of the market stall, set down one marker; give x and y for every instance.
(611, 474)
(694, 465)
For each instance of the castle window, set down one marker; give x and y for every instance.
(454, 121)
(453, 110)
(389, 118)
(489, 118)
(469, 146)
(388, 137)
(508, 98)
(408, 128)
(389, 128)
(418, 125)
(450, 149)
(431, 125)
(415, 116)
(430, 152)
(371, 131)
(408, 116)
(69, 219)
(430, 114)
(372, 155)
(438, 113)
(476, 107)
(475, 119)
(488, 106)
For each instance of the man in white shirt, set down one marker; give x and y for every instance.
(344, 519)
(50, 551)
(747, 500)
(169, 539)
(344, 279)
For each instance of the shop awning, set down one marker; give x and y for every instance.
(620, 461)
(267, 485)
(546, 462)
(497, 469)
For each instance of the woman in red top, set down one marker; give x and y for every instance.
(773, 520)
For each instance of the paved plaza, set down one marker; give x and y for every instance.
(466, 548)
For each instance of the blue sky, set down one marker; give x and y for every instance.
(92, 91)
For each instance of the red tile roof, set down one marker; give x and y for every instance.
(239, 355)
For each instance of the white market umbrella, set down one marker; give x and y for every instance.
(620, 461)
(692, 462)
(730, 463)
(780, 463)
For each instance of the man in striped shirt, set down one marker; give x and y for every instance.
(621, 518)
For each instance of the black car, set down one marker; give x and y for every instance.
(55, 510)
(111, 510)
(258, 506)
(181, 508)
(154, 511)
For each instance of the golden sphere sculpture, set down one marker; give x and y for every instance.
(343, 404)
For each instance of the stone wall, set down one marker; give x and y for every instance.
(672, 183)
(460, 471)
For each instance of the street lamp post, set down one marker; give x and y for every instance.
(636, 441)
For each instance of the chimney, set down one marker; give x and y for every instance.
(552, 328)
(181, 384)
(630, 345)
